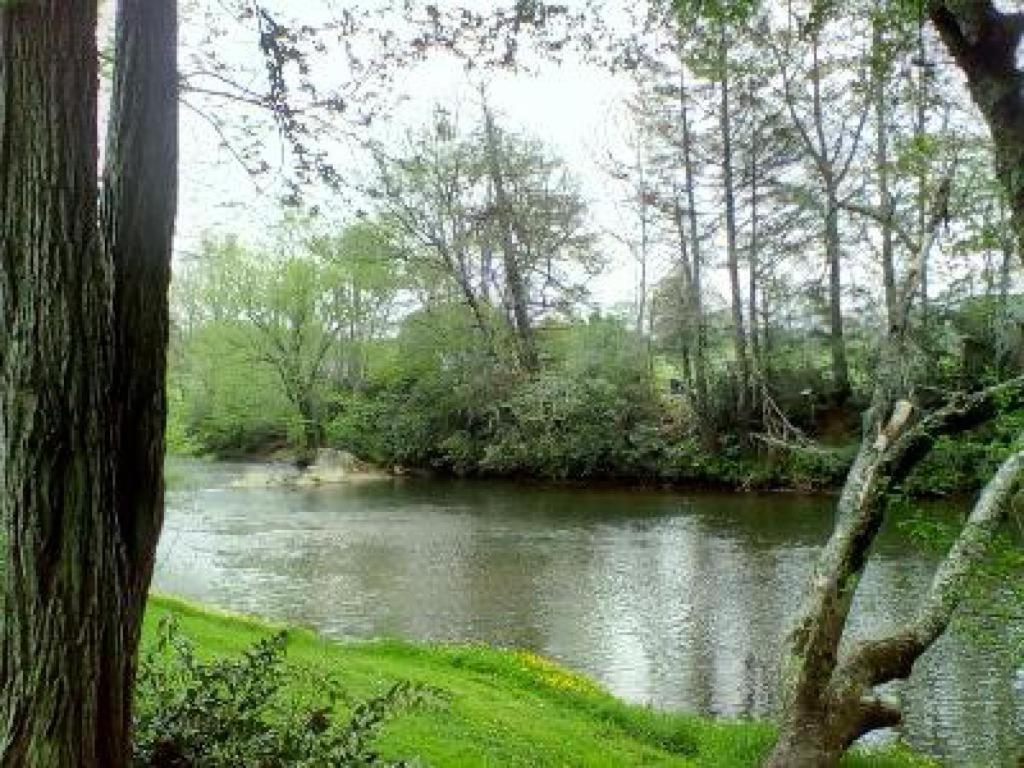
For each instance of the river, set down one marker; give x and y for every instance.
(677, 600)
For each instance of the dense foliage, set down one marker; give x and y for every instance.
(423, 391)
(779, 175)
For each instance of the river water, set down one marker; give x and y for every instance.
(678, 600)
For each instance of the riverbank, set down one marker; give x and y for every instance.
(500, 708)
(952, 469)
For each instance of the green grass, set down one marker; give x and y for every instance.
(501, 708)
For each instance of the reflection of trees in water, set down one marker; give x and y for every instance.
(680, 602)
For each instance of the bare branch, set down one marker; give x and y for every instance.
(880, 216)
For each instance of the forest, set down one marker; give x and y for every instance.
(774, 185)
(400, 383)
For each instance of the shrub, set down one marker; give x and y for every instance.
(255, 711)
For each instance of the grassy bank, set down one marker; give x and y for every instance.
(500, 708)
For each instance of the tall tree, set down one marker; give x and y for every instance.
(510, 238)
(82, 361)
(486, 214)
(691, 233)
(830, 146)
(726, 126)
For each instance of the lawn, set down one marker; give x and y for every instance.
(500, 708)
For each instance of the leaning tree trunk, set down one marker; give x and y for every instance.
(827, 701)
(82, 349)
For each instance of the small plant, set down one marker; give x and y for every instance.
(254, 711)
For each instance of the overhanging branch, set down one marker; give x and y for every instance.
(890, 658)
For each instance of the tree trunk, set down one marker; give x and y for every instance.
(732, 246)
(753, 268)
(828, 702)
(642, 205)
(880, 62)
(920, 131)
(310, 428)
(82, 354)
(140, 186)
(837, 338)
(984, 43)
(686, 321)
(515, 283)
(61, 649)
(700, 345)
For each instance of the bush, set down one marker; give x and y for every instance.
(560, 427)
(252, 712)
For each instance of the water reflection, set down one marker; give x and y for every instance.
(679, 601)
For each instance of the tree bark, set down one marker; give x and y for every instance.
(700, 345)
(825, 718)
(82, 355)
(984, 43)
(58, 471)
(732, 245)
(828, 703)
(140, 186)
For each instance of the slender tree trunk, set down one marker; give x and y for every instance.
(732, 245)
(642, 204)
(700, 345)
(687, 321)
(82, 355)
(766, 333)
(310, 429)
(920, 131)
(880, 61)
(752, 290)
(139, 206)
(837, 338)
(833, 244)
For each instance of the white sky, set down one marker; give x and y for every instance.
(571, 107)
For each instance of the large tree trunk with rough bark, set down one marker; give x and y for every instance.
(82, 356)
